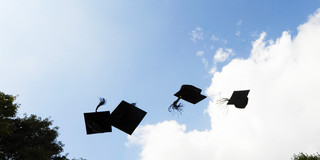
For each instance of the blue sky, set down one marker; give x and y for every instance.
(61, 56)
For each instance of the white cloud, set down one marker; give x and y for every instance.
(213, 70)
(168, 140)
(200, 53)
(222, 55)
(197, 34)
(205, 62)
(215, 38)
(282, 117)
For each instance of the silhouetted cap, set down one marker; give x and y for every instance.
(97, 122)
(190, 93)
(239, 98)
(127, 117)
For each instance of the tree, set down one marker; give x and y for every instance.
(304, 156)
(27, 138)
(8, 110)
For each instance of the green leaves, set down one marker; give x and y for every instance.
(27, 138)
(7, 107)
(304, 156)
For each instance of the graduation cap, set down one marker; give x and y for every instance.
(127, 117)
(188, 93)
(98, 122)
(239, 99)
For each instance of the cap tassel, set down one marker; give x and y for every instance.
(102, 102)
(222, 101)
(176, 106)
(222, 105)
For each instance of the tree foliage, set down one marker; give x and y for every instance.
(8, 110)
(304, 156)
(27, 138)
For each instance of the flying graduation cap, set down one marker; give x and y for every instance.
(188, 93)
(239, 99)
(125, 117)
(98, 122)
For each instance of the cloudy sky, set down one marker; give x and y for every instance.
(61, 56)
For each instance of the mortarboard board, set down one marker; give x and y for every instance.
(97, 122)
(190, 93)
(239, 98)
(127, 117)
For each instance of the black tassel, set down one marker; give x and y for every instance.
(102, 102)
(176, 106)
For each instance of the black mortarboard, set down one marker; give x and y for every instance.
(190, 93)
(127, 117)
(97, 122)
(239, 98)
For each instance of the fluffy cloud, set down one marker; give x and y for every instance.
(197, 34)
(282, 117)
(222, 55)
(200, 53)
(215, 38)
(205, 62)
